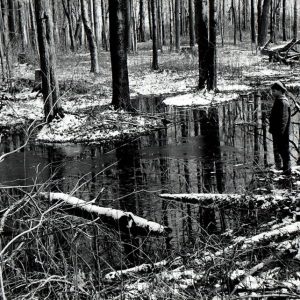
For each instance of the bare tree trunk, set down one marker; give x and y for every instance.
(67, 9)
(284, 20)
(11, 19)
(163, 29)
(253, 30)
(90, 37)
(154, 35)
(118, 38)
(104, 37)
(55, 20)
(159, 25)
(34, 39)
(295, 25)
(2, 45)
(23, 25)
(129, 25)
(212, 74)
(192, 23)
(202, 42)
(149, 18)
(259, 13)
(97, 22)
(177, 24)
(52, 105)
(142, 22)
(233, 11)
(171, 22)
(264, 23)
(240, 23)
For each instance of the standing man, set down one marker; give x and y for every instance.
(280, 120)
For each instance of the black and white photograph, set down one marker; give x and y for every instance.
(149, 149)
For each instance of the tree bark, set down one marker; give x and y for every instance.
(192, 23)
(23, 25)
(2, 45)
(11, 19)
(259, 12)
(202, 42)
(212, 49)
(50, 89)
(177, 24)
(154, 35)
(67, 10)
(97, 22)
(33, 38)
(171, 27)
(90, 37)
(118, 38)
(295, 25)
(253, 30)
(55, 23)
(141, 22)
(284, 20)
(104, 37)
(264, 23)
(233, 11)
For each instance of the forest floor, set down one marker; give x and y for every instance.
(256, 262)
(86, 97)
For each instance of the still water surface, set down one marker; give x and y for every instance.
(217, 149)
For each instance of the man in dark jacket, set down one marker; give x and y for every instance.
(280, 120)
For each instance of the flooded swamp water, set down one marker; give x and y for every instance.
(220, 149)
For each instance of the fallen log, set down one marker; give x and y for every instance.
(126, 222)
(143, 268)
(230, 200)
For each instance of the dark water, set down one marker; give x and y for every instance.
(217, 149)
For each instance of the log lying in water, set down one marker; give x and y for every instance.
(231, 200)
(126, 222)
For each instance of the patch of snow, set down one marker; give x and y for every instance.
(201, 99)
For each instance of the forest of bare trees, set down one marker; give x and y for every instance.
(51, 28)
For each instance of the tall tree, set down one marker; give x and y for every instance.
(141, 21)
(154, 35)
(284, 20)
(295, 25)
(171, 27)
(104, 36)
(259, 11)
(118, 38)
(177, 24)
(202, 29)
(212, 74)
(97, 22)
(11, 19)
(22, 25)
(252, 17)
(192, 23)
(264, 23)
(234, 21)
(50, 88)
(68, 12)
(2, 45)
(90, 37)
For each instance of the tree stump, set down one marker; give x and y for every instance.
(22, 58)
(37, 76)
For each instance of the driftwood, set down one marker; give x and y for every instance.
(285, 53)
(126, 222)
(235, 200)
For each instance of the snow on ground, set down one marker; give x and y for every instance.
(201, 98)
(106, 125)
(22, 108)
